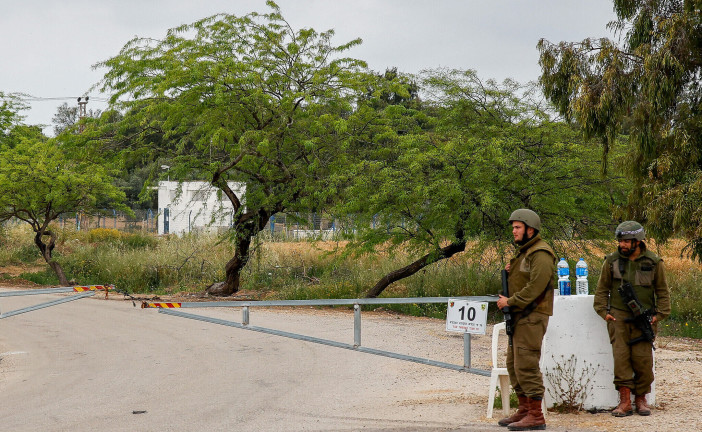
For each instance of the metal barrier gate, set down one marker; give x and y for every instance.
(85, 291)
(168, 308)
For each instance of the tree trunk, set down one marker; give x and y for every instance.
(233, 268)
(409, 270)
(46, 250)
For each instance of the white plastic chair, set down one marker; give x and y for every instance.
(498, 374)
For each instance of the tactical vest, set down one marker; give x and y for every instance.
(639, 273)
(519, 274)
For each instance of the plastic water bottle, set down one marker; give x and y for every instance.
(563, 277)
(581, 286)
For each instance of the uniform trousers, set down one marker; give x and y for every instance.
(525, 353)
(633, 365)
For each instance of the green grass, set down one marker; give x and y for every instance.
(46, 277)
(513, 400)
(675, 327)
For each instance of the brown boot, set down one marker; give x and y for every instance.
(624, 407)
(641, 405)
(522, 410)
(534, 419)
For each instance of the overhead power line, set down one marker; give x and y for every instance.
(30, 98)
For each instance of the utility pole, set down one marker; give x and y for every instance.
(82, 102)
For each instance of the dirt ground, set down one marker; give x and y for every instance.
(678, 379)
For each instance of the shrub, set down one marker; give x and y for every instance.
(103, 235)
(139, 241)
(570, 385)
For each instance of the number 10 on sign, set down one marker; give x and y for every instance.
(466, 316)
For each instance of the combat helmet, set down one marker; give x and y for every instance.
(526, 216)
(630, 230)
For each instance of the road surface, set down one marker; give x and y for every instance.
(104, 365)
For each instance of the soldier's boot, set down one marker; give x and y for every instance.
(522, 411)
(624, 407)
(641, 406)
(534, 419)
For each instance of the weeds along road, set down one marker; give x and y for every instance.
(96, 364)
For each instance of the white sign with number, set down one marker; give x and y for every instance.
(466, 316)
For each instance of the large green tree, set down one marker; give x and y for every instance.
(647, 86)
(243, 99)
(448, 175)
(41, 180)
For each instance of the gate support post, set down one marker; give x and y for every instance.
(245, 315)
(356, 325)
(466, 350)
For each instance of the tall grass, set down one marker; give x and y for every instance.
(142, 263)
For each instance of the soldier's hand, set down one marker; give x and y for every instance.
(508, 266)
(610, 318)
(654, 319)
(502, 302)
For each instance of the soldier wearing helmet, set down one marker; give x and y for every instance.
(631, 263)
(530, 283)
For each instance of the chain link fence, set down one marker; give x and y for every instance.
(142, 220)
(280, 227)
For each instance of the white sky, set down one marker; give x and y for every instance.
(48, 47)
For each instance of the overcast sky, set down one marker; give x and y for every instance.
(48, 47)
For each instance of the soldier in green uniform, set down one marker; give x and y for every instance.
(633, 363)
(530, 282)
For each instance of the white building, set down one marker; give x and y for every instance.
(194, 206)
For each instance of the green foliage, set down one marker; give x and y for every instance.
(138, 241)
(109, 235)
(46, 277)
(41, 179)
(513, 399)
(433, 178)
(230, 98)
(15, 246)
(647, 87)
(140, 263)
(10, 117)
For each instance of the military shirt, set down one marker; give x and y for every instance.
(646, 274)
(531, 273)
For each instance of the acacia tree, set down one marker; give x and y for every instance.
(645, 85)
(245, 99)
(40, 181)
(478, 151)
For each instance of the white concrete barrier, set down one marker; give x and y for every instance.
(577, 334)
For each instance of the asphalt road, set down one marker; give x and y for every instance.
(96, 365)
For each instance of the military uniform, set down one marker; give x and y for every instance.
(633, 365)
(531, 276)
(530, 302)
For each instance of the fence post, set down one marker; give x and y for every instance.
(466, 350)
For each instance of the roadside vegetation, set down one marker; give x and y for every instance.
(143, 264)
(426, 168)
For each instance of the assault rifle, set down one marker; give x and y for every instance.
(509, 320)
(642, 317)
